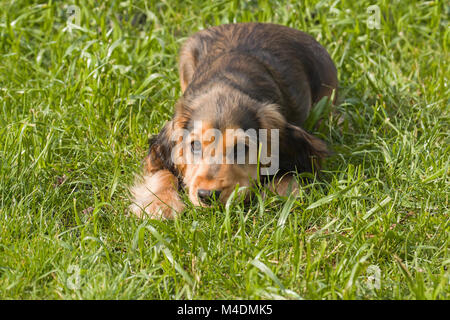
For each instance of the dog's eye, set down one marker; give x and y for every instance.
(196, 146)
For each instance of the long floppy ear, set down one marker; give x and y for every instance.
(160, 150)
(160, 155)
(301, 150)
(155, 193)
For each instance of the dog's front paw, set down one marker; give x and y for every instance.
(156, 196)
(160, 206)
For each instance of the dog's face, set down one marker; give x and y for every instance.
(213, 143)
(218, 154)
(215, 170)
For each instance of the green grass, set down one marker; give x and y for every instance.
(77, 108)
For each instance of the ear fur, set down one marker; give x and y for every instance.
(301, 150)
(270, 117)
(155, 192)
(159, 154)
(161, 146)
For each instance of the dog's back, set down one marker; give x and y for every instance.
(268, 62)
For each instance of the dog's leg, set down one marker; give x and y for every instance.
(284, 186)
(155, 194)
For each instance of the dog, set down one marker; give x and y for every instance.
(238, 77)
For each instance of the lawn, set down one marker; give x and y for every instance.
(82, 88)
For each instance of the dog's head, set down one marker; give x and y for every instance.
(221, 138)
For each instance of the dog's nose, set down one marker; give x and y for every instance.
(206, 196)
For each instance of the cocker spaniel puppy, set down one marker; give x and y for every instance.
(247, 89)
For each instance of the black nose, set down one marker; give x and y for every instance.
(206, 196)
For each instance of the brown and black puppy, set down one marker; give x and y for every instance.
(242, 77)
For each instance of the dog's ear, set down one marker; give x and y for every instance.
(301, 150)
(160, 151)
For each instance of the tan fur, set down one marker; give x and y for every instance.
(196, 176)
(283, 185)
(156, 195)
